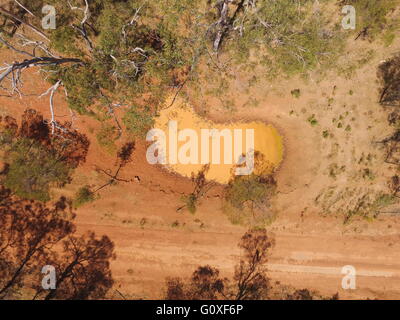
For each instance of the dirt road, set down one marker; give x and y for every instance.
(147, 257)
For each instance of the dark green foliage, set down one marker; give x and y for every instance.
(251, 191)
(63, 40)
(121, 60)
(82, 87)
(83, 195)
(33, 170)
(137, 52)
(35, 160)
(248, 198)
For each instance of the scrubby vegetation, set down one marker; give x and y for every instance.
(249, 282)
(84, 195)
(120, 63)
(34, 159)
(132, 54)
(200, 188)
(374, 18)
(248, 198)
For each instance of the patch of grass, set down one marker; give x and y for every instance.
(335, 170)
(349, 67)
(107, 136)
(296, 93)
(190, 202)
(388, 38)
(312, 121)
(83, 195)
(297, 40)
(374, 16)
(367, 174)
(384, 200)
(175, 224)
(353, 202)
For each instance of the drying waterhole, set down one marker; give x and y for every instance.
(189, 142)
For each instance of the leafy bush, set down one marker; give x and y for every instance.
(247, 199)
(36, 160)
(84, 195)
(33, 170)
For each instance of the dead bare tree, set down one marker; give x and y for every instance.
(124, 156)
(250, 281)
(250, 274)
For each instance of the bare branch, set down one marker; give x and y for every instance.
(40, 61)
(132, 22)
(82, 28)
(8, 45)
(18, 3)
(24, 41)
(52, 90)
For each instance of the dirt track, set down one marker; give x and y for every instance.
(300, 260)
